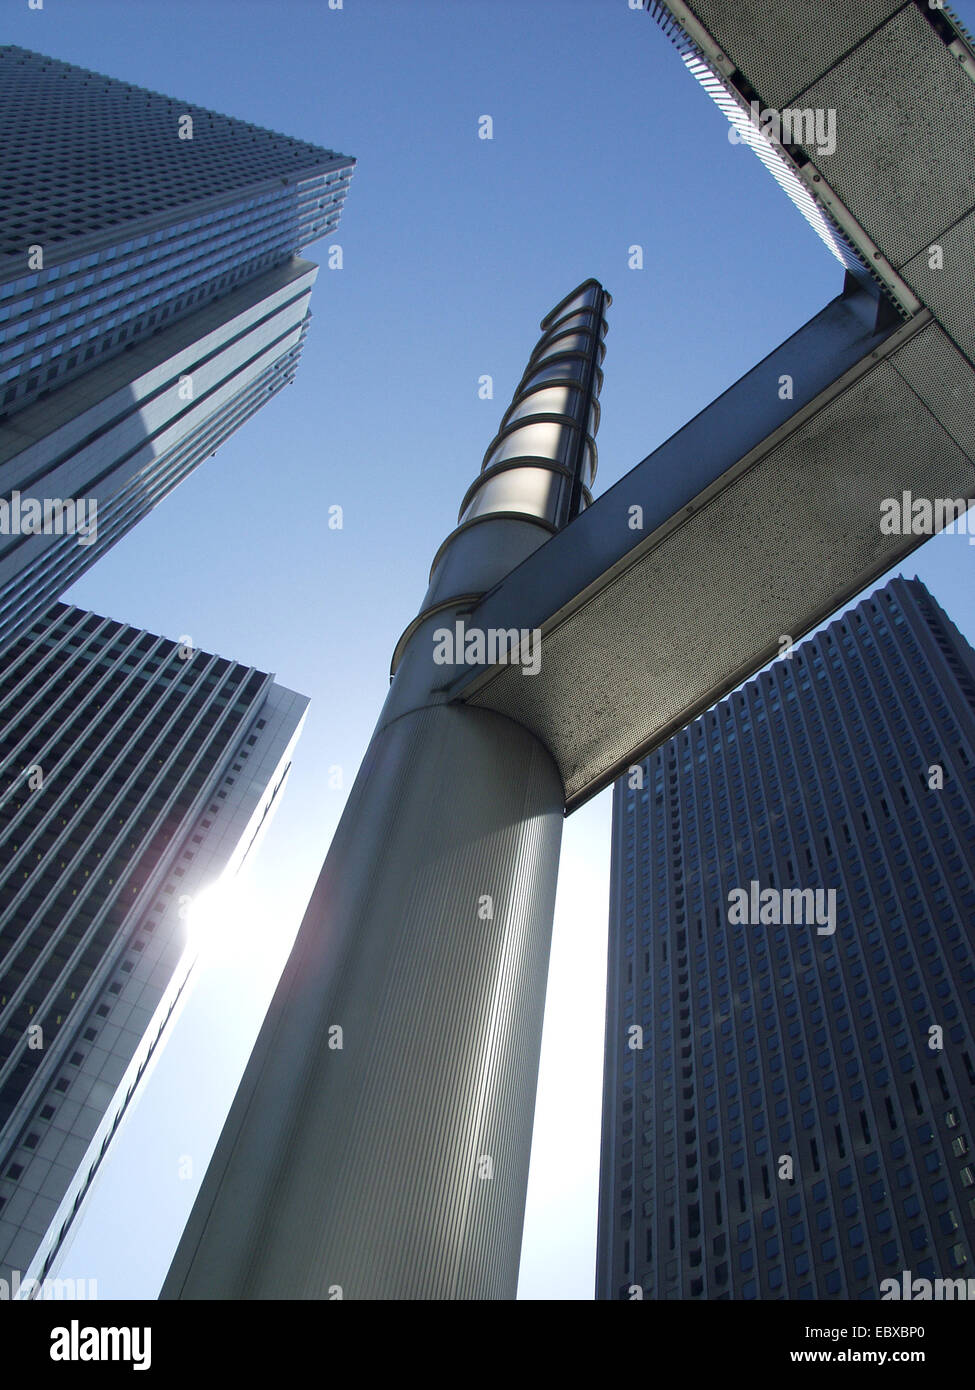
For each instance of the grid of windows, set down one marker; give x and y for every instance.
(120, 735)
(115, 223)
(783, 1125)
(117, 749)
(142, 469)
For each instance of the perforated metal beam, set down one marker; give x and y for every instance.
(897, 82)
(783, 48)
(641, 630)
(761, 518)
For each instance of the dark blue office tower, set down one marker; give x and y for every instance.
(789, 1091)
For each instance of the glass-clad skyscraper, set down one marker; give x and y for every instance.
(123, 210)
(100, 453)
(789, 1087)
(151, 300)
(134, 772)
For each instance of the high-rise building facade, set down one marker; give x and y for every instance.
(134, 772)
(789, 1086)
(124, 210)
(151, 299)
(99, 454)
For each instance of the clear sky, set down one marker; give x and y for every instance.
(454, 248)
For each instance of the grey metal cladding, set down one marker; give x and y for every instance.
(776, 550)
(904, 162)
(948, 289)
(447, 1063)
(934, 368)
(783, 48)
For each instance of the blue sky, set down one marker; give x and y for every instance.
(454, 248)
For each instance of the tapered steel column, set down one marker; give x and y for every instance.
(378, 1146)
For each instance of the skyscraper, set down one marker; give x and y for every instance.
(789, 1087)
(101, 452)
(124, 210)
(133, 772)
(151, 299)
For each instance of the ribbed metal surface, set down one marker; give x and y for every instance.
(781, 166)
(358, 1168)
(781, 49)
(625, 668)
(905, 156)
(947, 283)
(549, 425)
(537, 471)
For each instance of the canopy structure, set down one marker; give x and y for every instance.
(763, 515)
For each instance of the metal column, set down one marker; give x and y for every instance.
(378, 1146)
